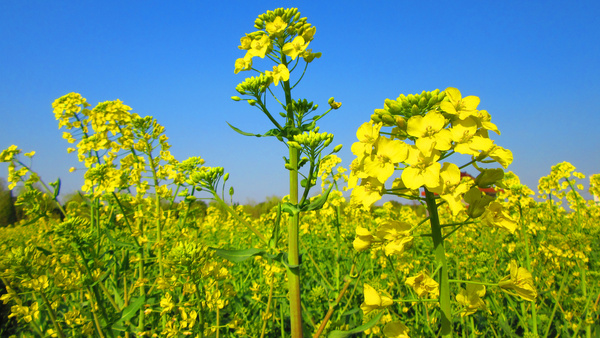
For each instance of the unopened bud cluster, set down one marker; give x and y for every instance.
(407, 106)
(312, 139)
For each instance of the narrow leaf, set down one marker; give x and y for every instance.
(243, 132)
(131, 310)
(318, 203)
(236, 256)
(366, 326)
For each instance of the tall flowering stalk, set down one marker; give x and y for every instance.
(427, 129)
(283, 37)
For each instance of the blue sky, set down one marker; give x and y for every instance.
(534, 64)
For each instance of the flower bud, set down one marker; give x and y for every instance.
(337, 148)
(231, 191)
(236, 98)
(252, 102)
(225, 177)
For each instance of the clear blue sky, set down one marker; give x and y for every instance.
(534, 64)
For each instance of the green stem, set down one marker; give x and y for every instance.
(158, 213)
(440, 256)
(293, 251)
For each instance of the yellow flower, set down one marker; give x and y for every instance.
(9, 153)
(242, 64)
(373, 300)
(396, 330)
(471, 298)
(363, 239)
(397, 235)
(294, 48)
(309, 56)
(488, 148)
(367, 135)
(276, 27)
(463, 108)
(423, 285)
(368, 192)
(279, 72)
(423, 170)
(245, 43)
(453, 187)
(260, 47)
(495, 215)
(429, 132)
(519, 281)
(387, 153)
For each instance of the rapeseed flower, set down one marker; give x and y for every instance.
(470, 298)
(496, 215)
(459, 106)
(520, 281)
(374, 300)
(423, 170)
(279, 72)
(430, 133)
(294, 48)
(423, 285)
(382, 162)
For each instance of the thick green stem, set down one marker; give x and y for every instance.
(440, 257)
(293, 251)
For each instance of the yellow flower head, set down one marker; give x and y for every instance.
(279, 72)
(260, 46)
(276, 27)
(422, 284)
(294, 48)
(429, 132)
(423, 170)
(242, 64)
(519, 281)
(374, 300)
(470, 298)
(459, 106)
(387, 153)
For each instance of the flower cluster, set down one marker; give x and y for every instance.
(426, 129)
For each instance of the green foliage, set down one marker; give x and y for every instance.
(8, 213)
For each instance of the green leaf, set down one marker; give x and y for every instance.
(116, 242)
(290, 208)
(243, 132)
(318, 203)
(131, 310)
(236, 256)
(275, 234)
(366, 326)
